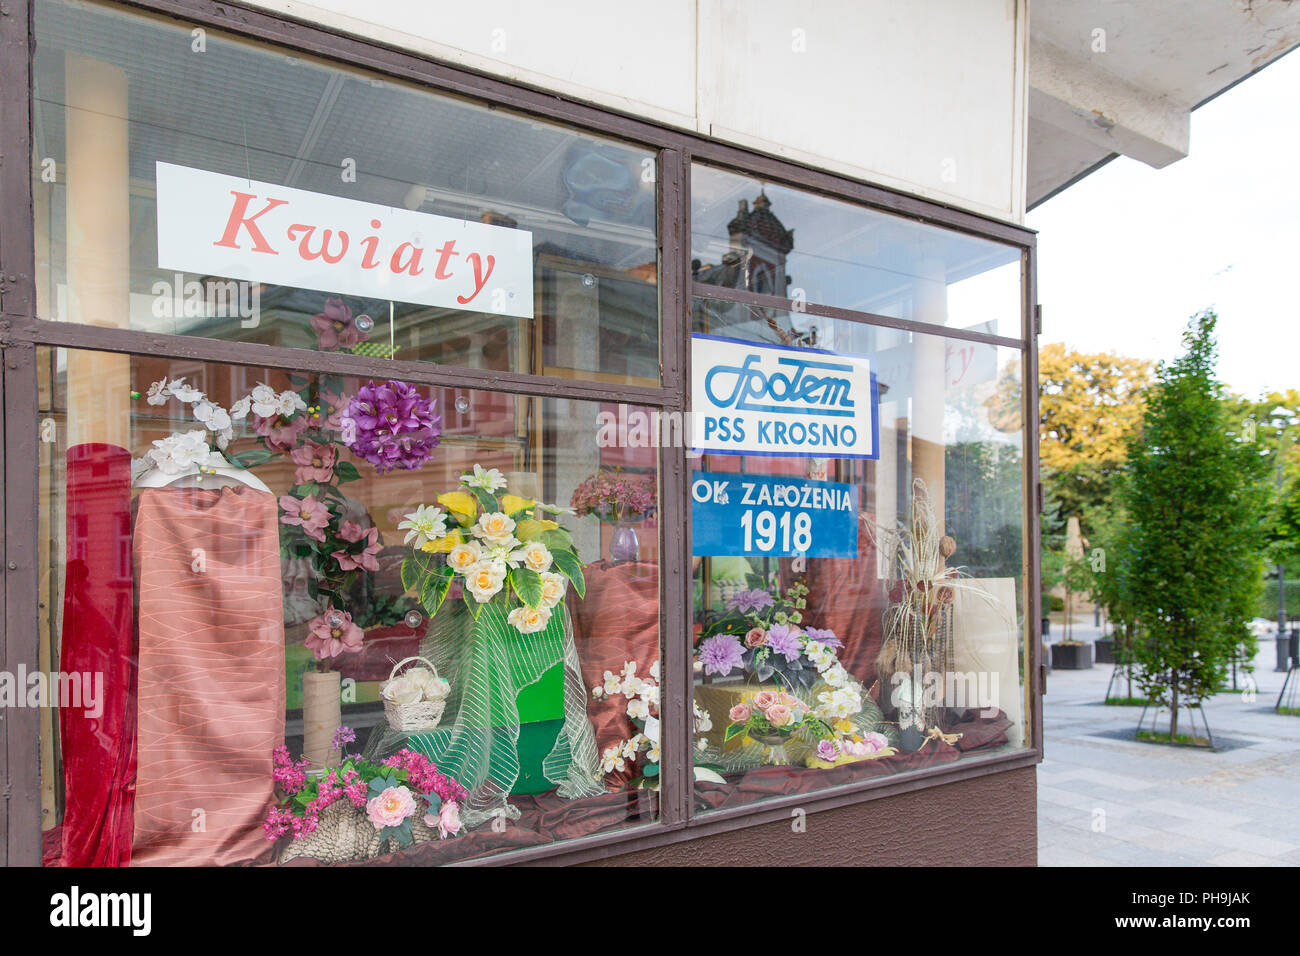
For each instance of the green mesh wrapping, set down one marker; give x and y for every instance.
(488, 662)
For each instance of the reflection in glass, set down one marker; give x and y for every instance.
(775, 240)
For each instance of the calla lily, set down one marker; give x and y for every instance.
(460, 503)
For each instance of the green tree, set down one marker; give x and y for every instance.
(1195, 497)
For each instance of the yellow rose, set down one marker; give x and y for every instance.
(512, 503)
(460, 504)
(531, 528)
(445, 543)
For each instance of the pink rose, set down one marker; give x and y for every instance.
(390, 808)
(764, 699)
(779, 715)
(449, 819)
(787, 700)
(874, 742)
(739, 714)
(755, 637)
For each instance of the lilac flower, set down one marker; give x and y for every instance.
(392, 425)
(721, 654)
(784, 640)
(824, 635)
(756, 600)
(344, 735)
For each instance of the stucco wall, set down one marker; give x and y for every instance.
(924, 97)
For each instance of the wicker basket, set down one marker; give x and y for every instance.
(412, 718)
(343, 835)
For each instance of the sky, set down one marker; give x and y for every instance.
(1127, 254)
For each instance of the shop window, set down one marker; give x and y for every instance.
(191, 183)
(859, 606)
(767, 238)
(420, 620)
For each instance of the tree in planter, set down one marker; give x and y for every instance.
(1194, 496)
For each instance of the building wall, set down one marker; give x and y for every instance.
(987, 821)
(928, 98)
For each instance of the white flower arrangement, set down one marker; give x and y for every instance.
(642, 695)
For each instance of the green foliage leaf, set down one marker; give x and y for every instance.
(733, 730)
(486, 500)
(558, 539)
(253, 457)
(528, 585)
(346, 471)
(434, 589)
(568, 564)
(416, 567)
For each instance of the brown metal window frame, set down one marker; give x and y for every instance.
(21, 332)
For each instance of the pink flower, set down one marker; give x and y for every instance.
(335, 327)
(368, 558)
(315, 462)
(448, 819)
(739, 714)
(332, 634)
(307, 513)
(281, 435)
(755, 637)
(786, 700)
(764, 699)
(778, 715)
(874, 742)
(390, 808)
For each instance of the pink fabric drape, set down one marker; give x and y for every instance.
(211, 692)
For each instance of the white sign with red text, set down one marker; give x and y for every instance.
(238, 228)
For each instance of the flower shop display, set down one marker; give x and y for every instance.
(492, 571)
(916, 657)
(792, 686)
(327, 540)
(415, 700)
(621, 499)
(361, 808)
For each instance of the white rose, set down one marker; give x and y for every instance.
(535, 556)
(462, 557)
(403, 690)
(528, 620)
(485, 579)
(553, 588)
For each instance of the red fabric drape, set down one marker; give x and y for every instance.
(99, 750)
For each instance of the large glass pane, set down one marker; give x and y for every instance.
(854, 616)
(193, 183)
(764, 237)
(253, 575)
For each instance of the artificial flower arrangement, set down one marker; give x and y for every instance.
(834, 753)
(773, 715)
(614, 496)
(640, 752)
(761, 636)
(400, 799)
(500, 549)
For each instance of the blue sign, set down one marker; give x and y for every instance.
(770, 516)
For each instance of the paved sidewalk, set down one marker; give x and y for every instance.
(1111, 802)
